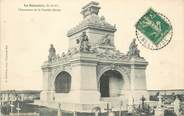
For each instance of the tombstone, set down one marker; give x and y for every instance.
(121, 104)
(59, 113)
(96, 111)
(159, 111)
(130, 104)
(159, 105)
(177, 106)
(109, 111)
(74, 113)
(18, 108)
(142, 101)
(12, 106)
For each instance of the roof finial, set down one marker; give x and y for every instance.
(90, 8)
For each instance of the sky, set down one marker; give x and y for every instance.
(29, 34)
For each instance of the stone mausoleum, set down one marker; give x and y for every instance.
(92, 72)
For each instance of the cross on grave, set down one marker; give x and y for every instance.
(159, 97)
(108, 109)
(121, 104)
(18, 108)
(11, 105)
(143, 99)
(96, 110)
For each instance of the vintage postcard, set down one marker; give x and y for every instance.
(91, 58)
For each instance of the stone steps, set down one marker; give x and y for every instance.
(79, 107)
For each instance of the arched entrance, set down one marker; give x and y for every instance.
(111, 83)
(63, 82)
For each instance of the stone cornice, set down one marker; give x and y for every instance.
(138, 61)
(82, 28)
(107, 56)
(92, 22)
(84, 57)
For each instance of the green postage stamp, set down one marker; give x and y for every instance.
(153, 30)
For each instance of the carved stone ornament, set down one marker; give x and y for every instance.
(114, 66)
(107, 40)
(84, 43)
(111, 54)
(91, 20)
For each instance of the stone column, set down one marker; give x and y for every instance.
(132, 87)
(45, 94)
(75, 82)
(138, 79)
(45, 73)
(84, 80)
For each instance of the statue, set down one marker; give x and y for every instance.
(107, 40)
(84, 43)
(133, 50)
(52, 53)
(102, 18)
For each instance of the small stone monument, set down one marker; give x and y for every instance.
(177, 106)
(159, 111)
(96, 111)
(59, 113)
(159, 101)
(130, 104)
(109, 111)
(121, 104)
(143, 100)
